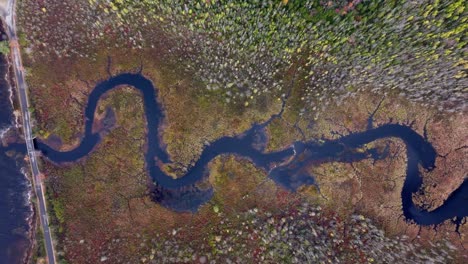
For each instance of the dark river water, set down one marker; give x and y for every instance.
(285, 167)
(15, 207)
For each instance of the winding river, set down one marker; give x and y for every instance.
(285, 167)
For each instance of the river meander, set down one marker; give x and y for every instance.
(283, 166)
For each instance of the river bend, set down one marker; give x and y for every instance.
(285, 166)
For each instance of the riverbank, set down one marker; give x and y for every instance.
(348, 117)
(173, 193)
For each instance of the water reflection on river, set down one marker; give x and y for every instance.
(283, 166)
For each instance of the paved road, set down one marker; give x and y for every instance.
(10, 19)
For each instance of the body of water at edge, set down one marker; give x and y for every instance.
(15, 202)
